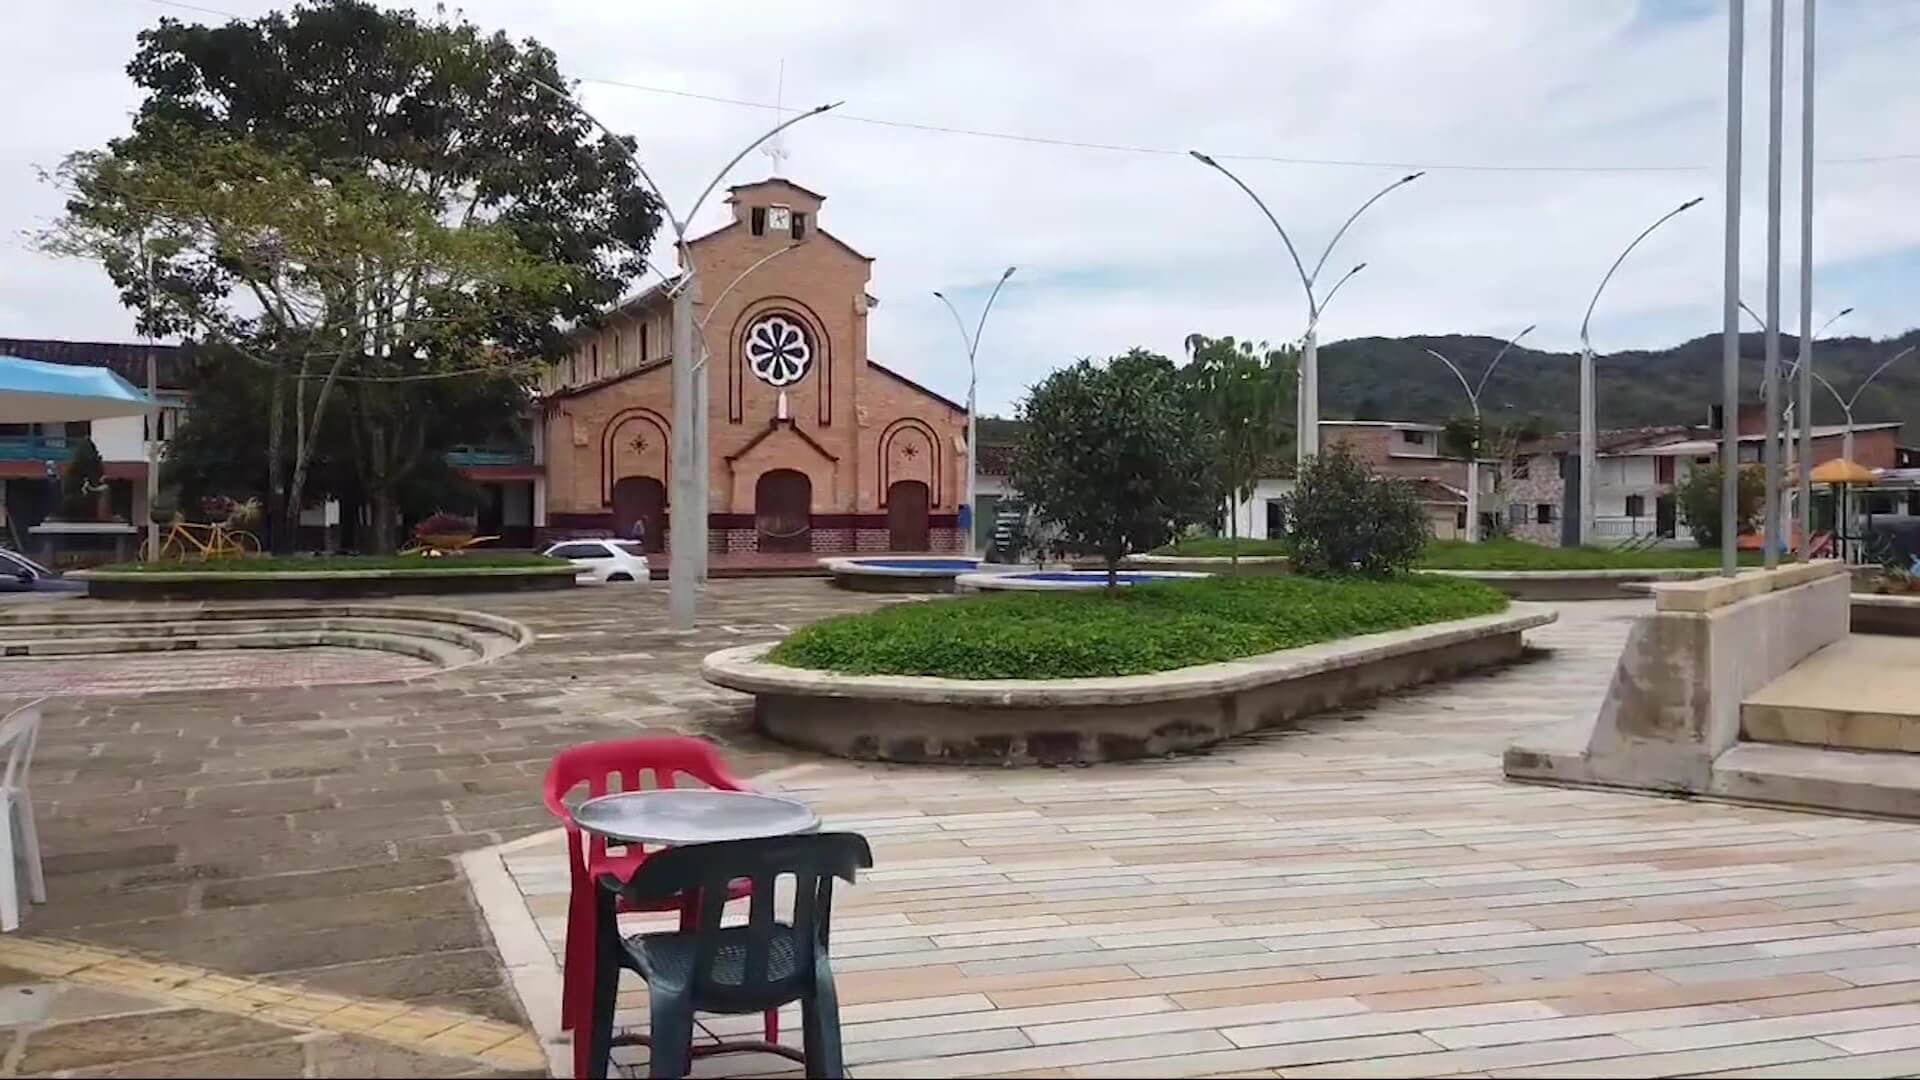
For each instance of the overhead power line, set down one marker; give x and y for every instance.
(1162, 151)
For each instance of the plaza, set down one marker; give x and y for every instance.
(360, 878)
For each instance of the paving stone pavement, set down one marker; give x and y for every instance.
(226, 669)
(1363, 896)
(303, 835)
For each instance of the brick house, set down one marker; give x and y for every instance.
(814, 446)
(1411, 451)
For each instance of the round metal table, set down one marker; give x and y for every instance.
(675, 817)
(678, 816)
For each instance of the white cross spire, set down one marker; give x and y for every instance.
(776, 148)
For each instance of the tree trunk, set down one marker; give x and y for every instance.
(1113, 574)
(1233, 533)
(381, 509)
(279, 533)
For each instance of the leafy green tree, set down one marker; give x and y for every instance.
(1113, 457)
(1346, 520)
(1697, 501)
(1245, 394)
(366, 203)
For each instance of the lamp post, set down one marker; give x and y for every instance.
(686, 530)
(1790, 417)
(1473, 454)
(1588, 435)
(1307, 440)
(1847, 403)
(972, 342)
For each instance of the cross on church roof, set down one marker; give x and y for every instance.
(776, 148)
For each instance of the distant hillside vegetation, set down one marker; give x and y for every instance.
(1393, 378)
(1378, 378)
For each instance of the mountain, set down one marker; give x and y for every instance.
(1394, 378)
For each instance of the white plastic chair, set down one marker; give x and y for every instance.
(18, 733)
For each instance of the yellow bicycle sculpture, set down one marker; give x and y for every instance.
(185, 539)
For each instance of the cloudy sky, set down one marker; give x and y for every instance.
(1553, 131)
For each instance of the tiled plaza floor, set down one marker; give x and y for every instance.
(234, 839)
(1363, 897)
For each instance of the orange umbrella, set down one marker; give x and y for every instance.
(1842, 471)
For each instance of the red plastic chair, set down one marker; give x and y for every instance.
(662, 761)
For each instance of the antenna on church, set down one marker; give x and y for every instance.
(776, 148)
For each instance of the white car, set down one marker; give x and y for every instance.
(602, 561)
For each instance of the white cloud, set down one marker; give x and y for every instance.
(1120, 249)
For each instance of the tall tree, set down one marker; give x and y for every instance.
(1113, 456)
(1245, 393)
(363, 199)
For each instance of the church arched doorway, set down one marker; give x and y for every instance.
(907, 516)
(642, 499)
(782, 506)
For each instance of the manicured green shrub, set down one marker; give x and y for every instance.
(1346, 520)
(1140, 629)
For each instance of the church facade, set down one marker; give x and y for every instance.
(813, 446)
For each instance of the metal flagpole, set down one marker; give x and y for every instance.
(1807, 333)
(1770, 386)
(1730, 311)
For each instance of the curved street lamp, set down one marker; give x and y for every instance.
(687, 528)
(1588, 435)
(972, 342)
(1787, 421)
(1473, 453)
(1307, 440)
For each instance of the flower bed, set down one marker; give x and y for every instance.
(1139, 630)
(1024, 678)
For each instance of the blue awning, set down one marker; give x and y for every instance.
(35, 392)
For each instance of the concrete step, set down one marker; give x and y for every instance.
(1858, 693)
(433, 650)
(1848, 781)
(480, 641)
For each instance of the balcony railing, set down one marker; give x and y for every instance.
(55, 448)
(468, 456)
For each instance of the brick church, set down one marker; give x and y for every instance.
(814, 445)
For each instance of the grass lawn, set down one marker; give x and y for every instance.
(1207, 547)
(267, 564)
(1520, 555)
(1141, 629)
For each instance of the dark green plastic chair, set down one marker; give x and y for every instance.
(761, 965)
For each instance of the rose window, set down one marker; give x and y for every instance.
(778, 350)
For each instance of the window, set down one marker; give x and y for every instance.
(1879, 503)
(643, 342)
(1517, 514)
(757, 220)
(633, 549)
(1543, 513)
(1636, 506)
(596, 359)
(1414, 438)
(580, 551)
(1663, 470)
(1276, 518)
(617, 365)
(799, 226)
(1522, 468)
(1460, 519)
